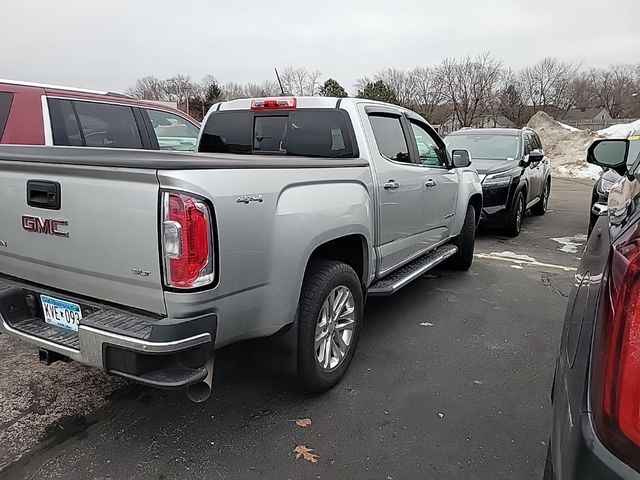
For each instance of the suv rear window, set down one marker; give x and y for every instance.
(304, 132)
(5, 106)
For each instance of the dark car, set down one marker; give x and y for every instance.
(596, 388)
(514, 170)
(608, 178)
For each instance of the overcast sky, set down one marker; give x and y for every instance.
(109, 44)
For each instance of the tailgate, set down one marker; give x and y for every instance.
(102, 241)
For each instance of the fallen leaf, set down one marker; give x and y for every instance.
(303, 422)
(306, 453)
(426, 324)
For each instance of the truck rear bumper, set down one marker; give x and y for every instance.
(155, 351)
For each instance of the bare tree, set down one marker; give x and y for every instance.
(470, 85)
(179, 88)
(402, 84)
(551, 83)
(148, 88)
(428, 91)
(611, 88)
(232, 91)
(267, 88)
(299, 81)
(510, 99)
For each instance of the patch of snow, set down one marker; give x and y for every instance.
(571, 244)
(620, 131)
(578, 170)
(513, 256)
(569, 127)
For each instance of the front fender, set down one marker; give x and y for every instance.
(470, 186)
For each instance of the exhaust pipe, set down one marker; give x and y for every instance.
(201, 391)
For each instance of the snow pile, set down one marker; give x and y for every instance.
(566, 146)
(620, 131)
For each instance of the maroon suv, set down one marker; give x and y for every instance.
(33, 114)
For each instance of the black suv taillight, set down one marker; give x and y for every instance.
(187, 241)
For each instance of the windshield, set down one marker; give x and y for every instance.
(485, 147)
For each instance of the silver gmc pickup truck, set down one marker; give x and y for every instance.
(290, 214)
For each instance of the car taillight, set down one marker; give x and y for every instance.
(620, 353)
(274, 104)
(187, 241)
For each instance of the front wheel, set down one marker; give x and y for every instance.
(514, 220)
(329, 323)
(465, 242)
(540, 208)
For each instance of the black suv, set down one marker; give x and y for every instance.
(514, 170)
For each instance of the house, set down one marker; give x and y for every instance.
(590, 114)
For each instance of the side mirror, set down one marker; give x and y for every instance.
(609, 153)
(535, 156)
(461, 158)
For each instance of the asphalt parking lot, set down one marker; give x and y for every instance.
(451, 380)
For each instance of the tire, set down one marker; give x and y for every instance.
(317, 371)
(514, 220)
(540, 208)
(465, 242)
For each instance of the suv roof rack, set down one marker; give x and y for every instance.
(61, 87)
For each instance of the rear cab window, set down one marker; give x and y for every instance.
(92, 124)
(311, 132)
(5, 106)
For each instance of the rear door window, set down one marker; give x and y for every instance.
(64, 123)
(105, 125)
(172, 131)
(392, 144)
(5, 106)
(90, 124)
(304, 132)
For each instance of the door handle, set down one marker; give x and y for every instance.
(430, 183)
(391, 185)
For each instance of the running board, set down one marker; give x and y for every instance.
(399, 278)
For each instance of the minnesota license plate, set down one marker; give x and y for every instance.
(61, 313)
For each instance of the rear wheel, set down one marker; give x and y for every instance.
(540, 208)
(514, 220)
(329, 323)
(465, 242)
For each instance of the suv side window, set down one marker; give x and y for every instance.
(105, 125)
(172, 131)
(537, 141)
(528, 144)
(430, 153)
(64, 123)
(5, 106)
(392, 144)
(79, 123)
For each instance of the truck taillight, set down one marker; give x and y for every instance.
(274, 104)
(618, 408)
(187, 241)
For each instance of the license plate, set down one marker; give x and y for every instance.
(61, 313)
